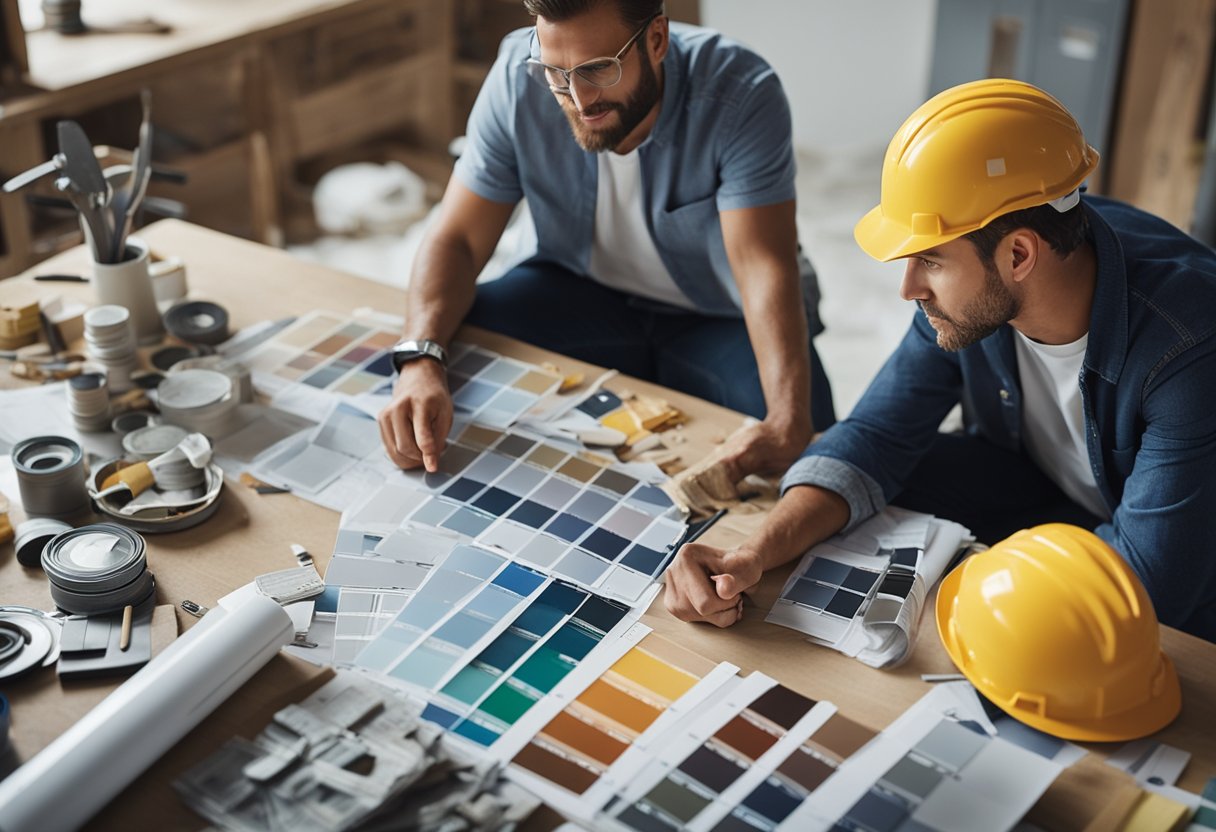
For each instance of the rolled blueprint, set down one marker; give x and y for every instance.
(73, 777)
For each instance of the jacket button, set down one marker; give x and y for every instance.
(1004, 395)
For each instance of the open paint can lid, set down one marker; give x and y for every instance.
(96, 558)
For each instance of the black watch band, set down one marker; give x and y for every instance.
(409, 349)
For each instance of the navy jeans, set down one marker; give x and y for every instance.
(708, 357)
(990, 490)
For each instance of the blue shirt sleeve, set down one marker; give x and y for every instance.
(1164, 524)
(757, 165)
(489, 165)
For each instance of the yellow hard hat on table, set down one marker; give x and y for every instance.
(967, 156)
(1054, 628)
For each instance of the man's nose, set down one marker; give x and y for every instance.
(912, 286)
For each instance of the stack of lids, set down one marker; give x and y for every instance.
(97, 569)
(202, 401)
(110, 341)
(89, 401)
(19, 325)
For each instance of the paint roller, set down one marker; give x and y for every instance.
(172, 470)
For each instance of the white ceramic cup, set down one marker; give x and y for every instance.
(127, 284)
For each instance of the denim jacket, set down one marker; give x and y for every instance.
(723, 141)
(1148, 386)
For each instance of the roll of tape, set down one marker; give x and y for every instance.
(32, 537)
(50, 474)
(132, 420)
(198, 322)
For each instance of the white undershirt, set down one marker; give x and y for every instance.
(1053, 421)
(624, 256)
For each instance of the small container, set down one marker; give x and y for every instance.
(97, 569)
(32, 537)
(50, 474)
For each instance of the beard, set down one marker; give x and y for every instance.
(995, 307)
(629, 114)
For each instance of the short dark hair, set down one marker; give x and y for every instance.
(633, 12)
(1064, 232)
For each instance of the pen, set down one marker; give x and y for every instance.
(63, 278)
(124, 640)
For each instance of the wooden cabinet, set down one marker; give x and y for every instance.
(253, 101)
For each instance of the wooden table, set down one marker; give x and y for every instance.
(249, 535)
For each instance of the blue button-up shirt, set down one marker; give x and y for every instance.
(1148, 386)
(722, 141)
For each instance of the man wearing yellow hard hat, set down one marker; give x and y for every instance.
(1078, 334)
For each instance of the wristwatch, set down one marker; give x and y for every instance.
(407, 350)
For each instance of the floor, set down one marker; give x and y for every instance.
(861, 307)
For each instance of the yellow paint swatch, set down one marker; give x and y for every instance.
(654, 674)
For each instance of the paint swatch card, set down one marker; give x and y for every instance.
(325, 353)
(323, 357)
(484, 716)
(467, 573)
(863, 593)
(345, 438)
(484, 639)
(495, 390)
(582, 755)
(697, 785)
(796, 766)
(928, 771)
(567, 512)
(369, 578)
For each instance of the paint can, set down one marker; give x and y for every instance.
(50, 474)
(97, 569)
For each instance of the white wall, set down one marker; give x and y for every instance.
(853, 69)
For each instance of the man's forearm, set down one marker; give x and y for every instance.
(804, 516)
(777, 328)
(441, 292)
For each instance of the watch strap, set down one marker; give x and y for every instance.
(409, 349)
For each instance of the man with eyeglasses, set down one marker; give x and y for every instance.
(657, 163)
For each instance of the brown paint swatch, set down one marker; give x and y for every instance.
(746, 737)
(805, 769)
(584, 738)
(841, 737)
(556, 769)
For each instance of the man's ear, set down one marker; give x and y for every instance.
(658, 39)
(1022, 250)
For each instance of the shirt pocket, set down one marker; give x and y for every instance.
(688, 228)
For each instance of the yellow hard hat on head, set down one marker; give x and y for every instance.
(967, 156)
(1054, 628)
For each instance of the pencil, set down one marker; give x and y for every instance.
(124, 640)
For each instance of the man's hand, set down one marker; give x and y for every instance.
(705, 583)
(764, 447)
(415, 424)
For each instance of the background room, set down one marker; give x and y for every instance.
(258, 105)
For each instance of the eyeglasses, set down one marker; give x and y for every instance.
(598, 72)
